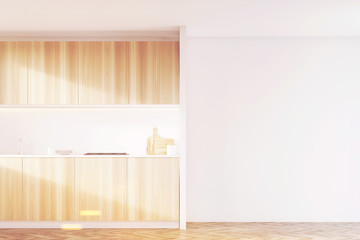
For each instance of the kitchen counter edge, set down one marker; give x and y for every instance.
(83, 156)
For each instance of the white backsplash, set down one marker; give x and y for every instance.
(84, 130)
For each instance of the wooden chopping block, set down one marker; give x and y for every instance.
(157, 145)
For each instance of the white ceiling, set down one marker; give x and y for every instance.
(216, 18)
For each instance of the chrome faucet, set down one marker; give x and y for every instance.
(21, 145)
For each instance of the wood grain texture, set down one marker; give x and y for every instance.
(89, 72)
(153, 189)
(53, 73)
(167, 82)
(154, 75)
(100, 187)
(205, 230)
(48, 185)
(157, 145)
(103, 72)
(13, 72)
(10, 189)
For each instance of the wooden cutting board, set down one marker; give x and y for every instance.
(157, 145)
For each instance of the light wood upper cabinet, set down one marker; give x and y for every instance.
(103, 72)
(168, 73)
(154, 73)
(48, 186)
(100, 189)
(13, 72)
(153, 189)
(53, 73)
(96, 73)
(10, 189)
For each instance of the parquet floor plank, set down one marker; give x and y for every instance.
(203, 231)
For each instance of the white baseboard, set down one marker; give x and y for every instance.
(51, 224)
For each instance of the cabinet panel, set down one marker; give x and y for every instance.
(168, 73)
(103, 72)
(48, 185)
(53, 73)
(13, 72)
(89, 72)
(11, 189)
(154, 73)
(153, 189)
(100, 189)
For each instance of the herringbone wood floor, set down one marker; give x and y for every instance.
(226, 231)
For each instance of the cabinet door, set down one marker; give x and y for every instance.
(10, 189)
(13, 72)
(154, 73)
(100, 189)
(103, 72)
(53, 73)
(48, 185)
(153, 189)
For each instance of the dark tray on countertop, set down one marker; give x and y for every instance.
(106, 154)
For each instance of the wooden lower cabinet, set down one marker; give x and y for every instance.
(100, 189)
(48, 189)
(10, 189)
(153, 189)
(89, 189)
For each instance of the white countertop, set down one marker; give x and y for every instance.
(82, 156)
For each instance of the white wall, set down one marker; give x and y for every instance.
(273, 129)
(84, 130)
